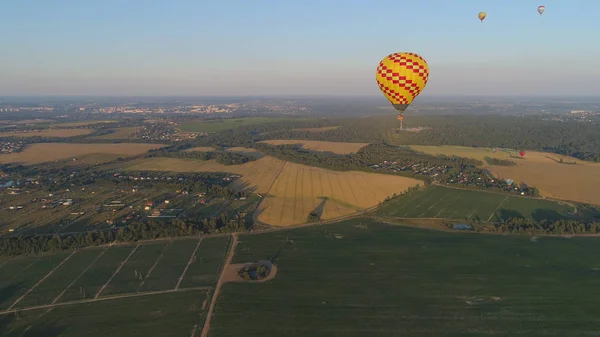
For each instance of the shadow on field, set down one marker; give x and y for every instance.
(8, 292)
(546, 214)
(504, 214)
(320, 208)
(13, 326)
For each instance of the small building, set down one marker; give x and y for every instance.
(166, 201)
(147, 208)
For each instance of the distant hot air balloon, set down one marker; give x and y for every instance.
(481, 16)
(401, 77)
(541, 9)
(522, 153)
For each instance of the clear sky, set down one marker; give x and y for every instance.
(304, 47)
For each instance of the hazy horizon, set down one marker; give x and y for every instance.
(312, 48)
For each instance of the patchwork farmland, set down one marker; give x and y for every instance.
(58, 133)
(155, 283)
(543, 170)
(46, 152)
(292, 190)
(452, 203)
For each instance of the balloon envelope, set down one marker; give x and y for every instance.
(541, 9)
(522, 153)
(401, 77)
(481, 16)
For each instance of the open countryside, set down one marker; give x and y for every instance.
(414, 282)
(229, 123)
(576, 182)
(58, 133)
(45, 152)
(292, 190)
(141, 288)
(335, 147)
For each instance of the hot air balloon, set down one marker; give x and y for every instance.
(481, 16)
(522, 153)
(401, 77)
(541, 9)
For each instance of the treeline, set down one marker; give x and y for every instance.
(136, 231)
(222, 157)
(529, 226)
(499, 162)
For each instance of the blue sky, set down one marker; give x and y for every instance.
(260, 47)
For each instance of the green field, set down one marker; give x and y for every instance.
(124, 307)
(346, 280)
(171, 265)
(452, 203)
(164, 315)
(207, 264)
(230, 123)
(17, 284)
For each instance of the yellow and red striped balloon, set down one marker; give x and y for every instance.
(401, 77)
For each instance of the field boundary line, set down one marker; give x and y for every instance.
(215, 295)
(117, 271)
(42, 280)
(78, 276)
(194, 330)
(3, 263)
(106, 298)
(154, 265)
(189, 263)
(497, 207)
(23, 270)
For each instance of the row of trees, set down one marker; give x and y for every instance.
(136, 231)
(499, 162)
(523, 225)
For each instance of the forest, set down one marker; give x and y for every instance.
(577, 139)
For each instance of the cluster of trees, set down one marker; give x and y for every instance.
(529, 226)
(254, 271)
(136, 231)
(499, 162)
(222, 157)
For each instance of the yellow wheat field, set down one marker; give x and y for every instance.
(579, 182)
(60, 133)
(291, 190)
(335, 147)
(299, 189)
(45, 152)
